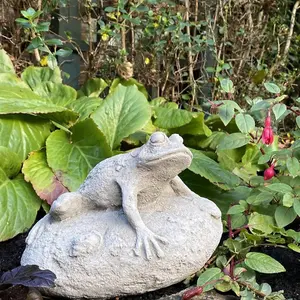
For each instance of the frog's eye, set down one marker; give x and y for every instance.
(176, 138)
(157, 138)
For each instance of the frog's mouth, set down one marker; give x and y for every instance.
(176, 154)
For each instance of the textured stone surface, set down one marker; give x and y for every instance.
(132, 227)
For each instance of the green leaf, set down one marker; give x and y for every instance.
(29, 13)
(280, 188)
(297, 206)
(261, 222)
(298, 121)
(195, 127)
(34, 76)
(42, 27)
(294, 247)
(10, 163)
(263, 198)
(64, 52)
(92, 88)
(71, 157)
(272, 87)
(263, 263)
(288, 200)
(85, 106)
(223, 286)
(207, 276)
(236, 209)
(21, 100)
(293, 166)
(278, 110)
(122, 113)
(284, 216)
(54, 42)
(212, 171)
(19, 205)
(52, 62)
(9, 79)
(6, 66)
(233, 141)
(260, 105)
(265, 288)
(42, 178)
(245, 123)
(56, 93)
(23, 134)
(129, 82)
(227, 85)
(172, 118)
(226, 113)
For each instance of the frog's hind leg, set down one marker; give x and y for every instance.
(68, 205)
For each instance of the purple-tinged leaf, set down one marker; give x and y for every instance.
(30, 275)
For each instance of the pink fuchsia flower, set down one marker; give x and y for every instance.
(269, 173)
(267, 134)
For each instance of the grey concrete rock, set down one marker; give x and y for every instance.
(132, 227)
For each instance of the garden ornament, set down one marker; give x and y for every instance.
(133, 226)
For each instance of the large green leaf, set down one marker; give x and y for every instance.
(122, 113)
(195, 127)
(172, 118)
(71, 157)
(38, 173)
(6, 65)
(21, 100)
(222, 198)
(56, 93)
(9, 79)
(85, 106)
(18, 206)
(233, 141)
(129, 82)
(34, 76)
(263, 263)
(23, 134)
(212, 171)
(92, 88)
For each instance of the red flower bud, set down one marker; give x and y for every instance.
(267, 134)
(269, 173)
(198, 290)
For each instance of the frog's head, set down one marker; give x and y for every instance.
(163, 154)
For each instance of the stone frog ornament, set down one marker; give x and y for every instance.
(132, 215)
(129, 180)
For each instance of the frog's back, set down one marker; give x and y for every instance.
(101, 186)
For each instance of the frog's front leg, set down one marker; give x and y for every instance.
(146, 240)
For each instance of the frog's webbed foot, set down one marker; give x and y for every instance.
(148, 242)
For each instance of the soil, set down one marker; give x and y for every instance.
(11, 252)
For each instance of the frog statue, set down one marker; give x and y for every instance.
(131, 221)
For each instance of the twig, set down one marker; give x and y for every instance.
(291, 31)
(190, 56)
(36, 51)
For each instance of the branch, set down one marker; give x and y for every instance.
(292, 25)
